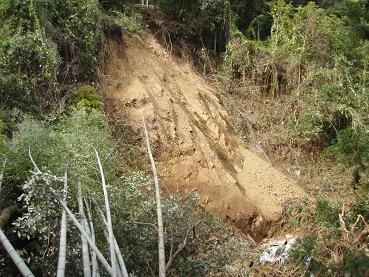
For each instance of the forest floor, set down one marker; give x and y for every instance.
(195, 145)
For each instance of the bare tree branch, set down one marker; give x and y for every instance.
(161, 245)
(179, 249)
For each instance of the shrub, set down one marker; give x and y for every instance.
(29, 65)
(327, 213)
(66, 144)
(45, 47)
(87, 96)
(130, 21)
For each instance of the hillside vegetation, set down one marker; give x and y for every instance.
(288, 79)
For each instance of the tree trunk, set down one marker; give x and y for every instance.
(161, 246)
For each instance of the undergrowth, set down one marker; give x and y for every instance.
(302, 94)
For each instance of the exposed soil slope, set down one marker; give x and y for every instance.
(195, 146)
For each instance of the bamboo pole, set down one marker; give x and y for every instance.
(95, 266)
(117, 250)
(85, 251)
(99, 255)
(161, 246)
(63, 235)
(2, 175)
(108, 217)
(18, 261)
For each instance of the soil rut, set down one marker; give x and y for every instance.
(196, 148)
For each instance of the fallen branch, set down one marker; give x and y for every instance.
(161, 246)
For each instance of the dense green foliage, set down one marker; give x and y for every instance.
(315, 64)
(46, 46)
(67, 145)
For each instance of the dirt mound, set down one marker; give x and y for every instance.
(195, 145)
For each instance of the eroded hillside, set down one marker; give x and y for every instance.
(196, 148)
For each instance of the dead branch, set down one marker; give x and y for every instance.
(179, 249)
(181, 245)
(358, 236)
(362, 235)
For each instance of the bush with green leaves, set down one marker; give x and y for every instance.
(130, 21)
(46, 47)
(67, 144)
(87, 96)
(312, 65)
(29, 65)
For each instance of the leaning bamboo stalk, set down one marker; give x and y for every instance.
(122, 265)
(85, 252)
(33, 161)
(63, 235)
(99, 255)
(18, 261)
(119, 270)
(95, 266)
(2, 175)
(75, 221)
(161, 246)
(108, 216)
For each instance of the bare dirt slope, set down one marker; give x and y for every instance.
(195, 146)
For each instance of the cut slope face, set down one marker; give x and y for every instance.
(196, 148)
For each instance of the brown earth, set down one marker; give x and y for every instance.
(196, 148)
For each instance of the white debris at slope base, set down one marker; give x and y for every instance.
(277, 252)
